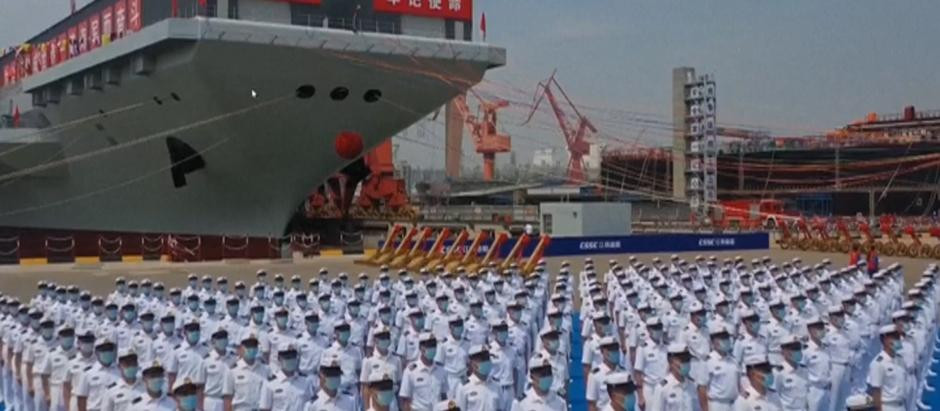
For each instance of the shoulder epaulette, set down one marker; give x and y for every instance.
(112, 385)
(272, 377)
(136, 400)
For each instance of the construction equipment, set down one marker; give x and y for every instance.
(537, 254)
(575, 137)
(386, 248)
(487, 140)
(402, 259)
(452, 253)
(515, 253)
(402, 248)
(491, 255)
(436, 251)
(469, 258)
(382, 193)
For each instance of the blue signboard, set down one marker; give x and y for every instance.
(641, 243)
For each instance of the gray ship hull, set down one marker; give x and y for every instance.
(228, 89)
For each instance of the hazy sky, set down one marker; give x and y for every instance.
(794, 66)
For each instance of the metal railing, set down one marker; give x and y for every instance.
(480, 214)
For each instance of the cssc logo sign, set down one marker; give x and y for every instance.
(599, 245)
(716, 242)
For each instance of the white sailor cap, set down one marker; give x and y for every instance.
(285, 346)
(125, 351)
(476, 349)
(607, 341)
(859, 401)
(426, 337)
(790, 339)
(653, 322)
(755, 359)
(446, 405)
(677, 348)
(599, 315)
(899, 314)
(330, 360)
(553, 310)
(748, 313)
(379, 372)
(835, 310)
(539, 361)
(497, 323)
(617, 378)
(888, 329)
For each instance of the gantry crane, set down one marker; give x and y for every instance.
(576, 138)
(486, 138)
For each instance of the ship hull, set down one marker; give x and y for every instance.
(236, 104)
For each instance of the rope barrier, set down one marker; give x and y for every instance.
(102, 241)
(244, 246)
(67, 249)
(13, 251)
(151, 250)
(307, 241)
(176, 246)
(356, 238)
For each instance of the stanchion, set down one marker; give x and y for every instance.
(181, 252)
(351, 241)
(151, 248)
(63, 252)
(10, 250)
(110, 249)
(240, 249)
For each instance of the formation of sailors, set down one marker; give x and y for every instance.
(677, 335)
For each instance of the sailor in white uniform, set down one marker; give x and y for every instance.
(887, 378)
(330, 397)
(478, 393)
(622, 392)
(676, 392)
(540, 396)
(758, 392)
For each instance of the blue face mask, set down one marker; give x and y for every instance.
(629, 402)
(684, 369)
(384, 398)
(612, 357)
(220, 344)
(552, 345)
(281, 322)
(251, 353)
(485, 368)
(87, 349)
(189, 402)
(106, 358)
(232, 310)
(545, 383)
(290, 365)
(897, 346)
(67, 343)
(302, 303)
(725, 345)
(768, 381)
(130, 373)
(419, 323)
(193, 305)
(210, 308)
(457, 331)
(147, 325)
(279, 300)
(47, 333)
(429, 354)
(155, 386)
(502, 336)
(312, 328)
(332, 383)
(383, 344)
(168, 328)
(192, 337)
(797, 357)
(112, 314)
(343, 337)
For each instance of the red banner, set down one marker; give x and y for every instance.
(94, 31)
(82, 37)
(120, 18)
(444, 9)
(107, 25)
(73, 42)
(133, 15)
(63, 43)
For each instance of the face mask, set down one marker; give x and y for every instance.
(656, 335)
(897, 346)
(193, 305)
(106, 358)
(411, 302)
(768, 381)
(343, 337)
(129, 316)
(457, 331)
(383, 344)
(220, 344)
(501, 337)
(485, 367)
(724, 345)
(797, 357)
(290, 365)
(478, 311)
(232, 310)
(47, 333)
(87, 349)
(419, 323)
(384, 398)
(67, 343)
(612, 357)
(281, 322)
(684, 369)
(755, 327)
(387, 318)
(279, 300)
(155, 386)
(325, 306)
(629, 402)
(85, 305)
(312, 328)
(545, 383)
(192, 337)
(193, 283)
(354, 312)
(429, 354)
(210, 309)
(112, 315)
(147, 325)
(332, 383)
(167, 327)
(251, 353)
(556, 323)
(552, 345)
(130, 373)
(97, 309)
(302, 303)
(189, 402)
(176, 299)
(241, 292)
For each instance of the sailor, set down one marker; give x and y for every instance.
(381, 387)
(350, 361)
(777, 329)
(540, 395)
(310, 345)
(186, 362)
(477, 327)
(155, 384)
(818, 364)
(357, 323)
(596, 391)
(478, 393)
(440, 316)
(651, 364)
(127, 393)
(423, 381)
(791, 376)
(261, 283)
(758, 393)
(590, 356)
(219, 386)
(453, 356)
(840, 347)
(381, 359)
(887, 378)
(281, 334)
(326, 313)
(676, 391)
(622, 392)
(723, 376)
(259, 328)
(287, 389)
(33, 358)
(54, 371)
(186, 396)
(330, 397)
(90, 391)
(143, 340)
(750, 344)
(248, 376)
(505, 360)
(695, 337)
(84, 362)
(408, 343)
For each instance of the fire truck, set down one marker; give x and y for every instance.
(750, 214)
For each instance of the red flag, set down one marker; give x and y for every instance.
(483, 26)
(174, 8)
(16, 116)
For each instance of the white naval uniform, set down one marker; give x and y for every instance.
(889, 374)
(792, 387)
(56, 366)
(722, 384)
(287, 393)
(218, 383)
(750, 400)
(673, 395)
(452, 353)
(535, 402)
(120, 396)
(476, 395)
(93, 384)
(424, 385)
(818, 368)
(247, 382)
(596, 389)
(341, 402)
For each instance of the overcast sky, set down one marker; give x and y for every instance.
(793, 67)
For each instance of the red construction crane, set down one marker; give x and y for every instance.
(576, 138)
(486, 138)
